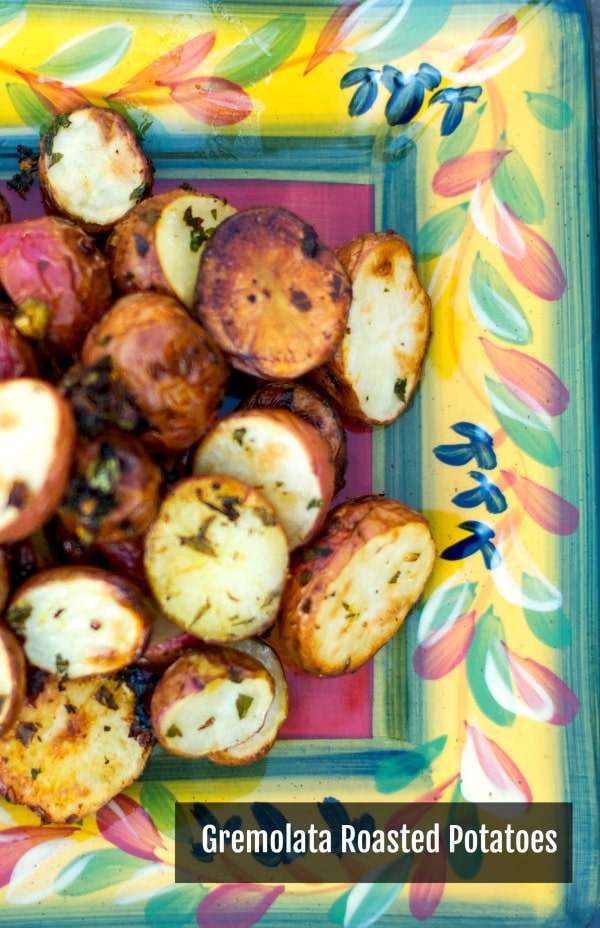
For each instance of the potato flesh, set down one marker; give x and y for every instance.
(79, 627)
(272, 458)
(30, 430)
(12, 676)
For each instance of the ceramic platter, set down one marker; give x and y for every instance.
(467, 127)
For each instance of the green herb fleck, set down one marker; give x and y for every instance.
(17, 615)
(105, 472)
(103, 340)
(173, 731)
(315, 503)
(199, 542)
(242, 704)
(138, 192)
(238, 435)
(310, 554)
(305, 576)
(394, 577)
(198, 234)
(400, 389)
(55, 157)
(35, 772)
(62, 665)
(104, 696)
(265, 515)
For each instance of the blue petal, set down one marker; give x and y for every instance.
(468, 499)
(461, 549)
(470, 93)
(429, 76)
(491, 555)
(456, 455)
(391, 77)
(445, 95)
(485, 455)
(404, 103)
(356, 76)
(452, 117)
(496, 500)
(470, 430)
(363, 98)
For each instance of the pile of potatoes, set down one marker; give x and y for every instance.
(161, 561)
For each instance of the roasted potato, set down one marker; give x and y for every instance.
(113, 492)
(80, 621)
(75, 744)
(376, 367)
(37, 444)
(209, 700)
(57, 278)
(5, 210)
(12, 677)
(167, 642)
(92, 168)
(261, 742)
(5, 582)
(281, 455)
(351, 589)
(157, 245)
(273, 296)
(146, 359)
(216, 558)
(311, 405)
(124, 557)
(17, 358)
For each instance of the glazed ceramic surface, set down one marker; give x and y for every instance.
(467, 127)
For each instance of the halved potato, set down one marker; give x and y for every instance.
(157, 246)
(258, 744)
(12, 677)
(210, 700)
(79, 621)
(216, 558)
(92, 168)
(75, 745)
(352, 588)
(281, 455)
(273, 296)
(377, 366)
(17, 358)
(37, 444)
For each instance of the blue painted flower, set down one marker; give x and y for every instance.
(407, 91)
(480, 446)
(365, 94)
(455, 99)
(479, 539)
(485, 492)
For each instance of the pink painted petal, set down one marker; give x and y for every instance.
(236, 905)
(533, 263)
(491, 40)
(458, 176)
(443, 649)
(128, 826)
(175, 65)
(544, 506)
(531, 381)
(15, 842)
(212, 100)
(547, 697)
(488, 774)
(427, 886)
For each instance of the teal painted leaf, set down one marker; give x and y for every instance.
(97, 870)
(440, 232)
(401, 767)
(366, 902)
(413, 31)
(515, 186)
(549, 110)
(489, 631)
(445, 604)
(159, 803)
(89, 56)
(460, 141)
(495, 306)
(28, 106)
(550, 625)
(529, 431)
(8, 11)
(263, 52)
(174, 907)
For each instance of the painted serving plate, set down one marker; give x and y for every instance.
(467, 127)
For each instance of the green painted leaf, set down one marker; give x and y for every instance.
(446, 603)
(159, 803)
(98, 869)
(552, 626)
(489, 630)
(401, 767)
(9, 11)
(515, 185)
(465, 815)
(88, 56)
(440, 232)
(526, 428)
(460, 141)
(412, 32)
(28, 107)
(338, 908)
(495, 306)
(264, 51)
(175, 906)
(367, 902)
(549, 110)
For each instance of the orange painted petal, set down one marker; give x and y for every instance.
(333, 34)
(551, 511)
(15, 842)
(542, 691)
(458, 176)
(491, 40)
(53, 94)
(443, 649)
(212, 100)
(127, 825)
(532, 382)
(533, 263)
(175, 65)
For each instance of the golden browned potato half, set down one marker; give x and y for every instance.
(12, 677)
(75, 745)
(351, 589)
(37, 444)
(377, 366)
(272, 294)
(92, 168)
(158, 244)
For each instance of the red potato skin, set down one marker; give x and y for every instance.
(10, 643)
(4, 579)
(167, 364)
(38, 510)
(57, 278)
(17, 358)
(126, 558)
